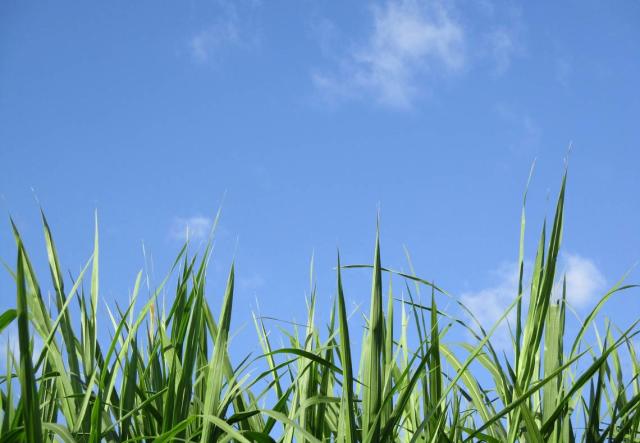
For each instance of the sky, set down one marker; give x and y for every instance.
(305, 120)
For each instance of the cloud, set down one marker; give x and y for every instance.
(501, 28)
(413, 44)
(489, 304)
(206, 43)
(192, 228)
(584, 282)
(326, 34)
(409, 40)
(502, 47)
(522, 131)
(234, 26)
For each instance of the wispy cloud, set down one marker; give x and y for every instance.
(409, 40)
(413, 44)
(489, 304)
(584, 283)
(500, 34)
(523, 132)
(192, 228)
(232, 27)
(207, 42)
(502, 48)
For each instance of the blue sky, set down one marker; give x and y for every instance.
(306, 117)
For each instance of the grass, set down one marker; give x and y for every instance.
(166, 375)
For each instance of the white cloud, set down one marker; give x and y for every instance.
(192, 228)
(489, 304)
(584, 283)
(497, 29)
(207, 42)
(234, 26)
(326, 34)
(584, 280)
(409, 39)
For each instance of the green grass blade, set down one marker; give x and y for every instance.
(30, 404)
(214, 373)
(374, 349)
(348, 413)
(7, 317)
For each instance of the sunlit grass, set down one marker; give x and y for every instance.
(166, 375)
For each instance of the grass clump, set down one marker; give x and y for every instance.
(168, 376)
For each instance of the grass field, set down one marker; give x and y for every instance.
(167, 374)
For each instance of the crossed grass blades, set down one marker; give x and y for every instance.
(167, 375)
